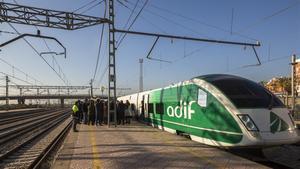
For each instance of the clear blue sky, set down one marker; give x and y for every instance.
(279, 36)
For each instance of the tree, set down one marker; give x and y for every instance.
(285, 84)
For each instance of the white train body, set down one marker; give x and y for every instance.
(218, 110)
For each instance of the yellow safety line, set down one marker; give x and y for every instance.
(96, 159)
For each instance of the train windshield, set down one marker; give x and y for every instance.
(245, 93)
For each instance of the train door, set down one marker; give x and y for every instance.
(142, 108)
(146, 99)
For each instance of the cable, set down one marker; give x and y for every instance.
(269, 16)
(65, 81)
(102, 76)
(92, 7)
(8, 32)
(20, 70)
(37, 53)
(147, 20)
(245, 28)
(145, 3)
(16, 78)
(129, 18)
(265, 62)
(100, 45)
(200, 22)
(174, 22)
(87, 4)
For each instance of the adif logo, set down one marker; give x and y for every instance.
(277, 124)
(183, 109)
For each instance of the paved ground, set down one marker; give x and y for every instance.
(140, 146)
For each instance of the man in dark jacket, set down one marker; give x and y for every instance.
(91, 113)
(80, 111)
(98, 113)
(121, 111)
(85, 111)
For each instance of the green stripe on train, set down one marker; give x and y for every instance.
(180, 111)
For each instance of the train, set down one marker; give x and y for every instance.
(219, 110)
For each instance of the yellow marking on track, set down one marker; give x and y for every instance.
(96, 158)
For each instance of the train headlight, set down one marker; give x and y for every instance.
(248, 122)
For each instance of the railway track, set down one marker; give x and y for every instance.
(278, 157)
(27, 142)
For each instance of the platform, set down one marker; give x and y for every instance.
(140, 146)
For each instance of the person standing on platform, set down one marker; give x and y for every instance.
(80, 111)
(121, 111)
(101, 115)
(75, 115)
(105, 112)
(97, 106)
(85, 111)
(91, 113)
(127, 112)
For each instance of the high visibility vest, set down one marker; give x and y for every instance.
(75, 108)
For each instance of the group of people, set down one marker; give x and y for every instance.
(92, 112)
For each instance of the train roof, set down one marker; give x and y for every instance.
(219, 77)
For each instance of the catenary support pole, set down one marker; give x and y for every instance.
(112, 98)
(141, 75)
(293, 79)
(6, 92)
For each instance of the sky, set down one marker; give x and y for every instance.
(274, 23)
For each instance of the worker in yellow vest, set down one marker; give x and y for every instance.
(75, 110)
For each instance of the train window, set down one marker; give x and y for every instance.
(247, 94)
(159, 108)
(150, 108)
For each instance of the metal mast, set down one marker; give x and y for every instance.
(6, 92)
(293, 79)
(141, 74)
(112, 108)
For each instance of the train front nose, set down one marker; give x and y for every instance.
(275, 126)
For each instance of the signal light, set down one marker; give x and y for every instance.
(248, 122)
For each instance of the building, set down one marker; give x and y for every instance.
(297, 75)
(275, 86)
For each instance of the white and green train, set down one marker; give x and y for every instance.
(219, 110)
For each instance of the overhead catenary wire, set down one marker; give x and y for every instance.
(64, 79)
(36, 51)
(100, 45)
(22, 80)
(8, 32)
(260, 21)
(266, 18)
(263, 62)
(129, 18)
(145, 19)
(18, 69)
(90, 8)
(200, 22)
(134, 20)
(85, 5)
(173, 22)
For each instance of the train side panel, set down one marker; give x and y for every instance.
(189, 108)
